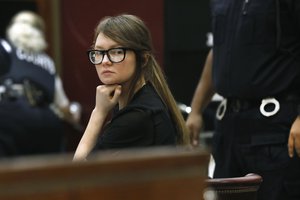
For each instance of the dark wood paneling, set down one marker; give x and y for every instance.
(186, 26)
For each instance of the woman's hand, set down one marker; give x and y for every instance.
(107, 97)
(294, 138)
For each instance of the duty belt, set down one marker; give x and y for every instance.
(237, 105)
(11, 91)
(15, 90)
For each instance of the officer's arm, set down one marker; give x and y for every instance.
(201, 98)
(4, 57)
(204, 90)
(294, 137)
(63, 107)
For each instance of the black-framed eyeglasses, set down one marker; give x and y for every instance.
(115, 55)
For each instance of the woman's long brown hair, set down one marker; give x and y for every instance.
(131, 31)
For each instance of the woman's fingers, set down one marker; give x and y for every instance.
(116, 93)
(107, 97)
(291, 145)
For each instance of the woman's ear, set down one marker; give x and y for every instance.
(145, 59)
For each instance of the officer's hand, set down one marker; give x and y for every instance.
(107, 97)
(194, 123)
(294, 138)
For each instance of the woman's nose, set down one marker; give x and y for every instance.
(106, 59)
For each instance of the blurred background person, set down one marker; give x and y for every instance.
(33, 104)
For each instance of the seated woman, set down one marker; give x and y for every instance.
(134, 88)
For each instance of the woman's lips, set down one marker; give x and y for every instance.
(107, 72)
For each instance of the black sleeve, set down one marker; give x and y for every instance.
(129, 130)
(4, 59)
(294, 8)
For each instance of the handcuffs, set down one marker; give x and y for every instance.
(264, 103)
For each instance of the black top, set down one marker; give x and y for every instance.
(145, 121)
(256, 49)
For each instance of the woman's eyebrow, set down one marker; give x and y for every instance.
(98, 47)
(112, 46)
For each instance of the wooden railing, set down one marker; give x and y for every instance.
(137, 174)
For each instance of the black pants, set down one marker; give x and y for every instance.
(245, 141)
(28, 130)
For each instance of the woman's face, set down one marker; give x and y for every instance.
(114, 73)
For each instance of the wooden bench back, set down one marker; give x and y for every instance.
(140, 174)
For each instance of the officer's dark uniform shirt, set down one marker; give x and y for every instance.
(256, 47)
(145, 121)
(37, 68)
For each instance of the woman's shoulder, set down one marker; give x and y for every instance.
(146, 99)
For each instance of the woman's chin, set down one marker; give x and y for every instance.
(109, 82)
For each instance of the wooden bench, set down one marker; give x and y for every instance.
(143, 174)
(235, 188)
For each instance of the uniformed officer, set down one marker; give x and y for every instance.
(32, 100)
(255, 66)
